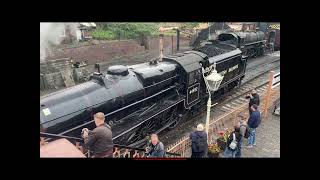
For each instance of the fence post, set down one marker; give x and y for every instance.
(161, 46)
(172, 43)
(268, 95)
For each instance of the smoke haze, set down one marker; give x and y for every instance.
(51, 34)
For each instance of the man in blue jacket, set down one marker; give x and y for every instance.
(253, 123)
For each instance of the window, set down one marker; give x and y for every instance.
(193, 77)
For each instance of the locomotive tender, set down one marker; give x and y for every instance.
(144, 98)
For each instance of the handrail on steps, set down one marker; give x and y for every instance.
(50, 135)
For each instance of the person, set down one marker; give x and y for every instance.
(155, 148)
(199, 143)
(243, 130)
(99, 140)
(253, 123)
(254, 99)
(233, 140)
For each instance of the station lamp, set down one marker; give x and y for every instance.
(213, 81)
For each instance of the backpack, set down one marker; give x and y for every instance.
(233, 145)
(247, 133)
(200, 143)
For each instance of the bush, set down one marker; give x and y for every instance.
(103, 34)
(111, 31)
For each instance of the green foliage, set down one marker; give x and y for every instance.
(111, 31)
(100, 34)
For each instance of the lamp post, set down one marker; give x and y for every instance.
(209, 36)
(213, 81)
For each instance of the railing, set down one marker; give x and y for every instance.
(120, 151)
(222, 123)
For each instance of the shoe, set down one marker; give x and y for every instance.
(254, 144)
(250, 146)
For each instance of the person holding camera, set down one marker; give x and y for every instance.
(155, 148)
(254, 99)
(99, 140)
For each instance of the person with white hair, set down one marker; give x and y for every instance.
(199, 142)
(155, 147)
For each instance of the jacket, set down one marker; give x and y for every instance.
(156, 150)
(254, 119)
(230, 138)
(99, 140)
(254, 100)
(199, 136)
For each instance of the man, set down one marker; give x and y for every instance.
(99, 140)
(253, 123)
(155, 148)
(199, 143)
(233, 138)
(254, 99)
(242, 125)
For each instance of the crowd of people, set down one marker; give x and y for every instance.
(242, 130)
(99, 140)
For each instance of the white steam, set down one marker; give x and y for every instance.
(52, 34)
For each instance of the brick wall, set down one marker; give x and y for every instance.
(111, 49)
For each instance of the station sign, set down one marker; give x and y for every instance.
(276, 80)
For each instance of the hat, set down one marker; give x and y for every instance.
(200, 127)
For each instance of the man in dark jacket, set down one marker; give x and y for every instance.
(199, 143)
(99, 140)
(253, 123)
(155, 148)
(235, 137)
(254, 99)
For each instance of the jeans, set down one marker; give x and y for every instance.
(198, 154)
(230, 153)
(238, 153)
(252, 137)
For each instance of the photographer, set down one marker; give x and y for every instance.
(155, 148)
(99, 140)
(254, 99)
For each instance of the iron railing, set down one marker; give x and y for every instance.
(120, 151)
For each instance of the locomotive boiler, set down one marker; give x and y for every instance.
(144, 98)
(252, 44)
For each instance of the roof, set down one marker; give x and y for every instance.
(88, 24)
(60, 148)
(190, 60)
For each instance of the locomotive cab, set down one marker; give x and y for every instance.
(229, 38)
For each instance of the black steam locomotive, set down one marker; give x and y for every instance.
(252, 44)
(144, 98)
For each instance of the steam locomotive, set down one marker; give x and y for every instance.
(252, 44)
(144, 98)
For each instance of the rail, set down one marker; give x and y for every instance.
(118, 152)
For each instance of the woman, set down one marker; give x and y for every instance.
(233, 143)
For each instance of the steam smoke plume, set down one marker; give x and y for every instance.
(50, 34)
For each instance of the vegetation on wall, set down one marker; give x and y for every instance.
(113, 31)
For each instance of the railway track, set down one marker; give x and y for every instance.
(256, 78)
